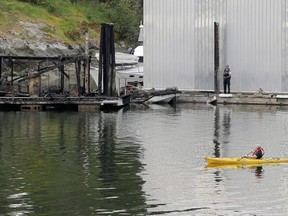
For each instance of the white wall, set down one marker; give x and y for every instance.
(179, 43)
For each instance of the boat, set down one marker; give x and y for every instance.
(128, 70)
(212, 101)
(167, 96)
(163, 99)
(244, 161)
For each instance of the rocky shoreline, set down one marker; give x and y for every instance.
(32, 40)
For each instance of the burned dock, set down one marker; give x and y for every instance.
(60, 82)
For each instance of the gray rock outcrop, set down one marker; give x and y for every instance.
(31, 40)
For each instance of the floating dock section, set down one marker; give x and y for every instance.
(244, 98)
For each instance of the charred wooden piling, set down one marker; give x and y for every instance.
(106, 82)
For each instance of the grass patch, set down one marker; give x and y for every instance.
(66, 20)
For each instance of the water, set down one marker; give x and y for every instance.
(142, 161)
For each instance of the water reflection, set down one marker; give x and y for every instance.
(119, 164)
(59, 157)
(216, 115)
(225, 126)
(148, 160)
(258, 171)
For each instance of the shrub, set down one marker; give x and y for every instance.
(74, 35)
(36, 2)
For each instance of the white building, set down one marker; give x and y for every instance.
(179, 44)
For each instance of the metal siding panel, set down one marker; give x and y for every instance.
(196, 42)
(171, 20)
(151, 38)
(284, 39)
(176, 39)
(162, 9)
(179, 45)
(223, 36)
(169, 46)
(187, 70)
(160, 31)
(191, 51)
(255, 58)
(274, 74)
(188, 80)
(204, 37)
(279, 46)
(148, 20)
(198, 37)
(172, 45)
(179, 50)
(181, 41)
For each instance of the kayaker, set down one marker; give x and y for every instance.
(256, 153)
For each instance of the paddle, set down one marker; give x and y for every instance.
(247, 154)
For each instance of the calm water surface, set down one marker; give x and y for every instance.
(147, 160)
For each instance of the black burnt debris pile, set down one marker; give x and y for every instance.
(39, 76)
(33, 62)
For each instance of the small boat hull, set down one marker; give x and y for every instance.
(244, 161)
(161, 98)
(213, 101)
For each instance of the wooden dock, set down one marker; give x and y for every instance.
(235, 98)
(26, 92)
(34, 83)
(61, 103)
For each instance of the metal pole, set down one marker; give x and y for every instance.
(216, 57)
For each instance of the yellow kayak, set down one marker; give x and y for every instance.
(244, 161)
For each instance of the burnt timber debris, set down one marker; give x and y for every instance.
(60, 82)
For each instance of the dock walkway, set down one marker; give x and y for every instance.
(62, 103)
(244, 98)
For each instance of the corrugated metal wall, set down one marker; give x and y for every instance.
(169, 25)
(179, 43)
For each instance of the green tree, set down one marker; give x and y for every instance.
(126, 22)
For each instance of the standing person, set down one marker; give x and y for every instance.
(227, 78)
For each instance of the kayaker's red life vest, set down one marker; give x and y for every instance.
(259, 152)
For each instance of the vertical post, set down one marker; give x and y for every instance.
(216, 58)
(83, 76)
(112, 63)
(100, 72)
(87, 77)
(86, 64)
(61, 75)
(77, 68)
(107, 61)
(12, 69)
(1, 60)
